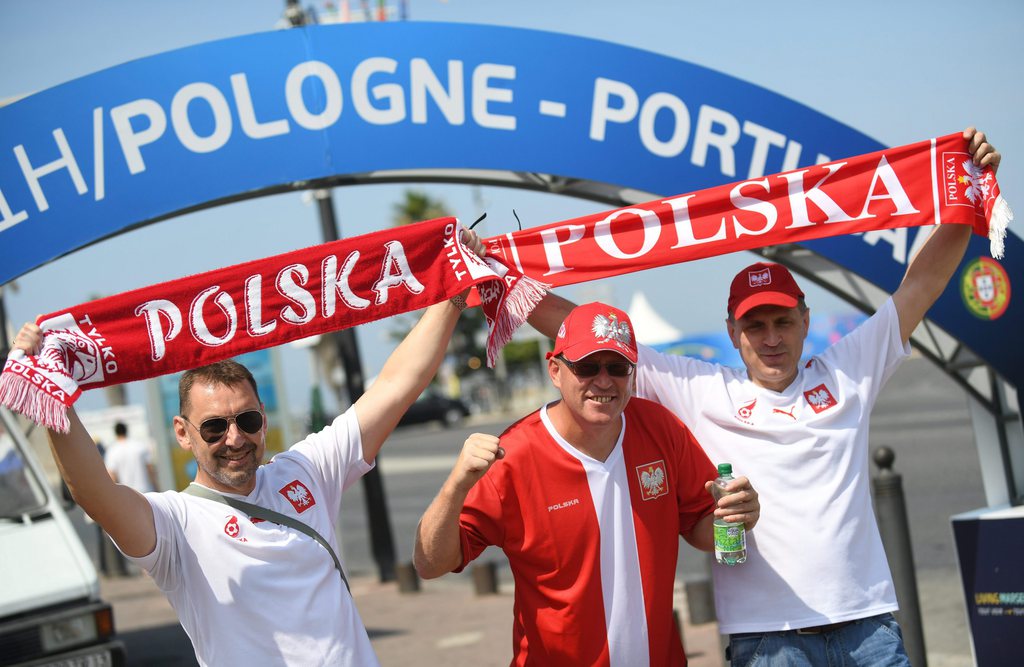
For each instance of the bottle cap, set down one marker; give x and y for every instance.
(724, 469)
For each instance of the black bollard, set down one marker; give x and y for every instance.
(485, 578)
(700, 594)
(891, 512)
(408, 580)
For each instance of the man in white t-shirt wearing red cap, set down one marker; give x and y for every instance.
(587, 497)
(816, 587)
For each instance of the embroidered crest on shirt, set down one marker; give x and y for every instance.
(232, 529)
(298, 495)
(653, 481)
(820, 398)
(746, 412)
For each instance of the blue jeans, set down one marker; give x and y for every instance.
(875, 641)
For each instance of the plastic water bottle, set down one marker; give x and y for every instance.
(730, 538)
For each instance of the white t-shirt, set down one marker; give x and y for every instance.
(129, 460)
(254, 592)
(815, 556)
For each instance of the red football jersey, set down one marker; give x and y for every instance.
(592, 544)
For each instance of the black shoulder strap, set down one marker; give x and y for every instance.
(269, 515)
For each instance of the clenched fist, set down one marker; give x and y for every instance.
(478, 454)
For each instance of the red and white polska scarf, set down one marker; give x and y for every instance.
(216, 315)
(211, 316)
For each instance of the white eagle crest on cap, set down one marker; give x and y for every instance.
(608, 327)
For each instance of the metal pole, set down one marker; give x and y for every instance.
(1002, 420)
(381, 539)
(891, 511)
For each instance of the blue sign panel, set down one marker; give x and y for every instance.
(988, 548)
(172, 132)
(236, 118)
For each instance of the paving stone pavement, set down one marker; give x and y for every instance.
(445, 623)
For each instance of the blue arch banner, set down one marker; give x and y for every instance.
(164, 134)
(235, 118)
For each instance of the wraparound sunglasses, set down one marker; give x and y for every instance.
(589, 369)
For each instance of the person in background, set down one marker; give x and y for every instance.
(130, 461)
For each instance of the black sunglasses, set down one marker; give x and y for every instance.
(213, 429)
(589, 369)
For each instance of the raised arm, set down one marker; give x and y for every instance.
(408, 371)
(930, 270)
(405, 375)
(550, 313)
(122, 512)
(438, 548)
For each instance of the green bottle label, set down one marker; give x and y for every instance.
(730, 537)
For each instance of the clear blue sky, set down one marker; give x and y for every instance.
(899, 72)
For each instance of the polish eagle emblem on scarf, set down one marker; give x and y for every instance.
(70, 352)
(977, 185)
(653, 481)
(608, 327)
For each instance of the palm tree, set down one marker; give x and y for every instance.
(418, 206)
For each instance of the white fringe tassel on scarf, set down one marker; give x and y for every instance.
(516, 306)
(1002, 216)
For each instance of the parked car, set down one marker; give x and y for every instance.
(51, 612)
(431, 406)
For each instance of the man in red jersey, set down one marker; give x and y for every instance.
(587, 497)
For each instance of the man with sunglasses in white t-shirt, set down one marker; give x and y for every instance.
(248, 590)
(587, 497)
(816, 587)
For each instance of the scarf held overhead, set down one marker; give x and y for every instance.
(925, 183)
(211, 316)
(219, 314)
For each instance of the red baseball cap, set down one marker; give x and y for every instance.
(762, 284)
(594, 327)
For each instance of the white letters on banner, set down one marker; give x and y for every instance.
(750, 216)
(386, 91)
(163, 319)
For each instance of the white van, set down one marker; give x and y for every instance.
(50, 607)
